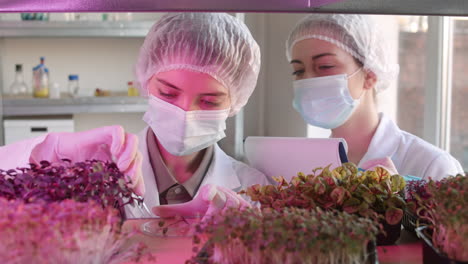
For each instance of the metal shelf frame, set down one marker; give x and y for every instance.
(402, 7)
(121, 29)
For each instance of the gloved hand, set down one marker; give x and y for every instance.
(385, 163)
(109, 143)
(211, 200)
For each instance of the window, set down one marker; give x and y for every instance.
(412, 77)
(459, 108)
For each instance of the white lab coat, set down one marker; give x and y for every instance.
(223, 171)
(410, 154)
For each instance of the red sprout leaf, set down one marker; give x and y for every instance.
(393, 215)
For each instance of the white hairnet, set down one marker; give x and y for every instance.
(213, 43)
(355, 34)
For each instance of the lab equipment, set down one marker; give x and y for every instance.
(18, 86)
(132, 90)
(41, 80)
(73, 85)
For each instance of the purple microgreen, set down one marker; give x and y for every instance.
(84, 181)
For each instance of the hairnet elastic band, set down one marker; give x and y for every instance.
(192, 68)
(328, 39)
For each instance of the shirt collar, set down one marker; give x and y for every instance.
(164, 179)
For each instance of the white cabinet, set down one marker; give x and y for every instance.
(16, 130)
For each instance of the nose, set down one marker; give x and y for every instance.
(187, 103)
(309, 74)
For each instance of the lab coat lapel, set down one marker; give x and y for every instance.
(221, 171)
(151, 196)
(385, 141)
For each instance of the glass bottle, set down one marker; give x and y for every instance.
(41, 80)
(132, 91)
(73, 85)
(18, 87)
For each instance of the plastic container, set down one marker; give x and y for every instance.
(40, 83)
(203, 255)
(73, 85)
(174, 227)
(132, 90)
(432, 255)
(75, 16)
(55, 91)
(18, 87)
(35, 16)
(410, 221)
(392, 234)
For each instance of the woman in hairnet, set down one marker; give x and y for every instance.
(339, 65)
(196, 69)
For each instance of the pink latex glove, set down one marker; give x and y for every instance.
(385, 163)
(109, 143)
(211, 200)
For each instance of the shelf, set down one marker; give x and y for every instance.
(399, 7)
(75, 28)
(414, 7)
(70, 106)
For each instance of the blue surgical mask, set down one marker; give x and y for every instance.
(324, 101)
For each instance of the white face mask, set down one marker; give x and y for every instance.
(184, 132)
(324, 101)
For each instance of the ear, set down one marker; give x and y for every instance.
(370, 79)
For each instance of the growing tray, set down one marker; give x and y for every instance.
(203, 255)
(432, 255)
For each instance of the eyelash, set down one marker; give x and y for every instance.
(298, 72)
(172, 96)
(167, 95)
(210, 103)
(326, 67)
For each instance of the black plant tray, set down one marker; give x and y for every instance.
(432, 255)
(373, 258)
(204, 254)
(393, 234)
(410, 221)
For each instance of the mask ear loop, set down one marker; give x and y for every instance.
(354, 73)
(350, 76)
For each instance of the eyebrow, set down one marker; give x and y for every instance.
(168, 84)
(322, 55)
(177, 88)
(296, 61)
(314, 57)
(214, 94)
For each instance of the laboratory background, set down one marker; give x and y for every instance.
(75, 71)
(89, 60)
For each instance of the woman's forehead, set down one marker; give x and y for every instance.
(312, 47)
(189, 80)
